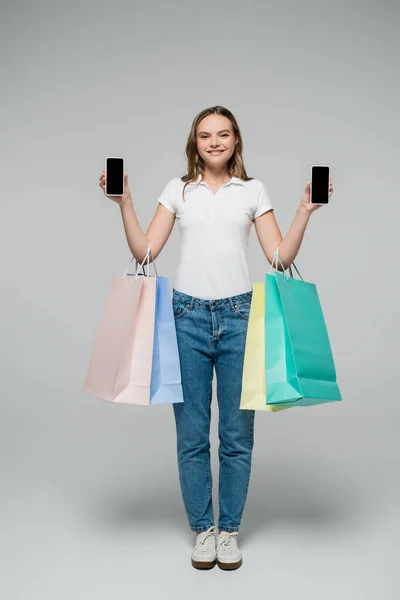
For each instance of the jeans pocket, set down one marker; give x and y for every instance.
(179, 308)
(242, 309)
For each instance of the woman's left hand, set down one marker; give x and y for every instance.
(305, 199)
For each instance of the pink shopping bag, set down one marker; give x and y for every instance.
(121, 362)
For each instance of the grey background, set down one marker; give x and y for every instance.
(90, 498)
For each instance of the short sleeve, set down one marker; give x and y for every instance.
(264, 203)
(167, 197)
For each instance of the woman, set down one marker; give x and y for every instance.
(216, 204)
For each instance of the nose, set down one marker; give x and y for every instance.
(214, 142)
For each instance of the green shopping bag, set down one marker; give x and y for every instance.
(299, 364)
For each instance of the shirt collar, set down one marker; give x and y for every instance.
(233, 180)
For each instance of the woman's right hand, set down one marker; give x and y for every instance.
(126, 197)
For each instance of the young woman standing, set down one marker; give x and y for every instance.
(215, 204)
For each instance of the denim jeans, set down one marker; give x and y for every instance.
(212, 333)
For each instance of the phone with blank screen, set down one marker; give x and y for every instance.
(319, 191)
(114, 176)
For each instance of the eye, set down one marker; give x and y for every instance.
(222, 135)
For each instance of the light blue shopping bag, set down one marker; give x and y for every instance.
(166, 386)
(299, 364)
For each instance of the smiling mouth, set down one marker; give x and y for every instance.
(215, 151)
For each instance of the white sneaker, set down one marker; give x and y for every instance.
(204, 555)
(228, 553)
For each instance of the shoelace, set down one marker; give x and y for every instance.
(226, 538)
(208, 541)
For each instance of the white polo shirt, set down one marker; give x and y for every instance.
(214, 234)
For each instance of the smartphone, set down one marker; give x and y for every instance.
(319, 191)
(114, 176)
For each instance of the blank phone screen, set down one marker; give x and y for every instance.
(320, 185)
(115, 176)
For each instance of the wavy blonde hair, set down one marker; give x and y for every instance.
(195, 164)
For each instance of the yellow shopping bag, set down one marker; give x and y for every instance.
(254, 392)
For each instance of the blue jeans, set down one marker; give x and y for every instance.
(212, 332)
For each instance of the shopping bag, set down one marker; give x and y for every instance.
(121, 362)
(166, 386)
(299, 363)
(253, 395)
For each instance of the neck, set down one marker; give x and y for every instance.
(216, 175)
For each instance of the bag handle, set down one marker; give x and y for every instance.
(275, 260)
(148, 254)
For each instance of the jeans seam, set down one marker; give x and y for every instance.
(208, 465)
(250, 444)
(230, 529)
(201, 528)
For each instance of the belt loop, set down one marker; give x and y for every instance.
(192, 303)
(231, 303)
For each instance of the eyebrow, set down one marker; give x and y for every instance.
(222, 130)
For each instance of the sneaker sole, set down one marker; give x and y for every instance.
(229, 566)
(198, 564)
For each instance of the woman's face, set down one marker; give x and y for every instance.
(215, 140)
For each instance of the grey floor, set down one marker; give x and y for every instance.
(91, 506)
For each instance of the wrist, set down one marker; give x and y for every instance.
(125, 201)
(303, 210)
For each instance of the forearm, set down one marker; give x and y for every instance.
(290, 244)
(135, 236)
